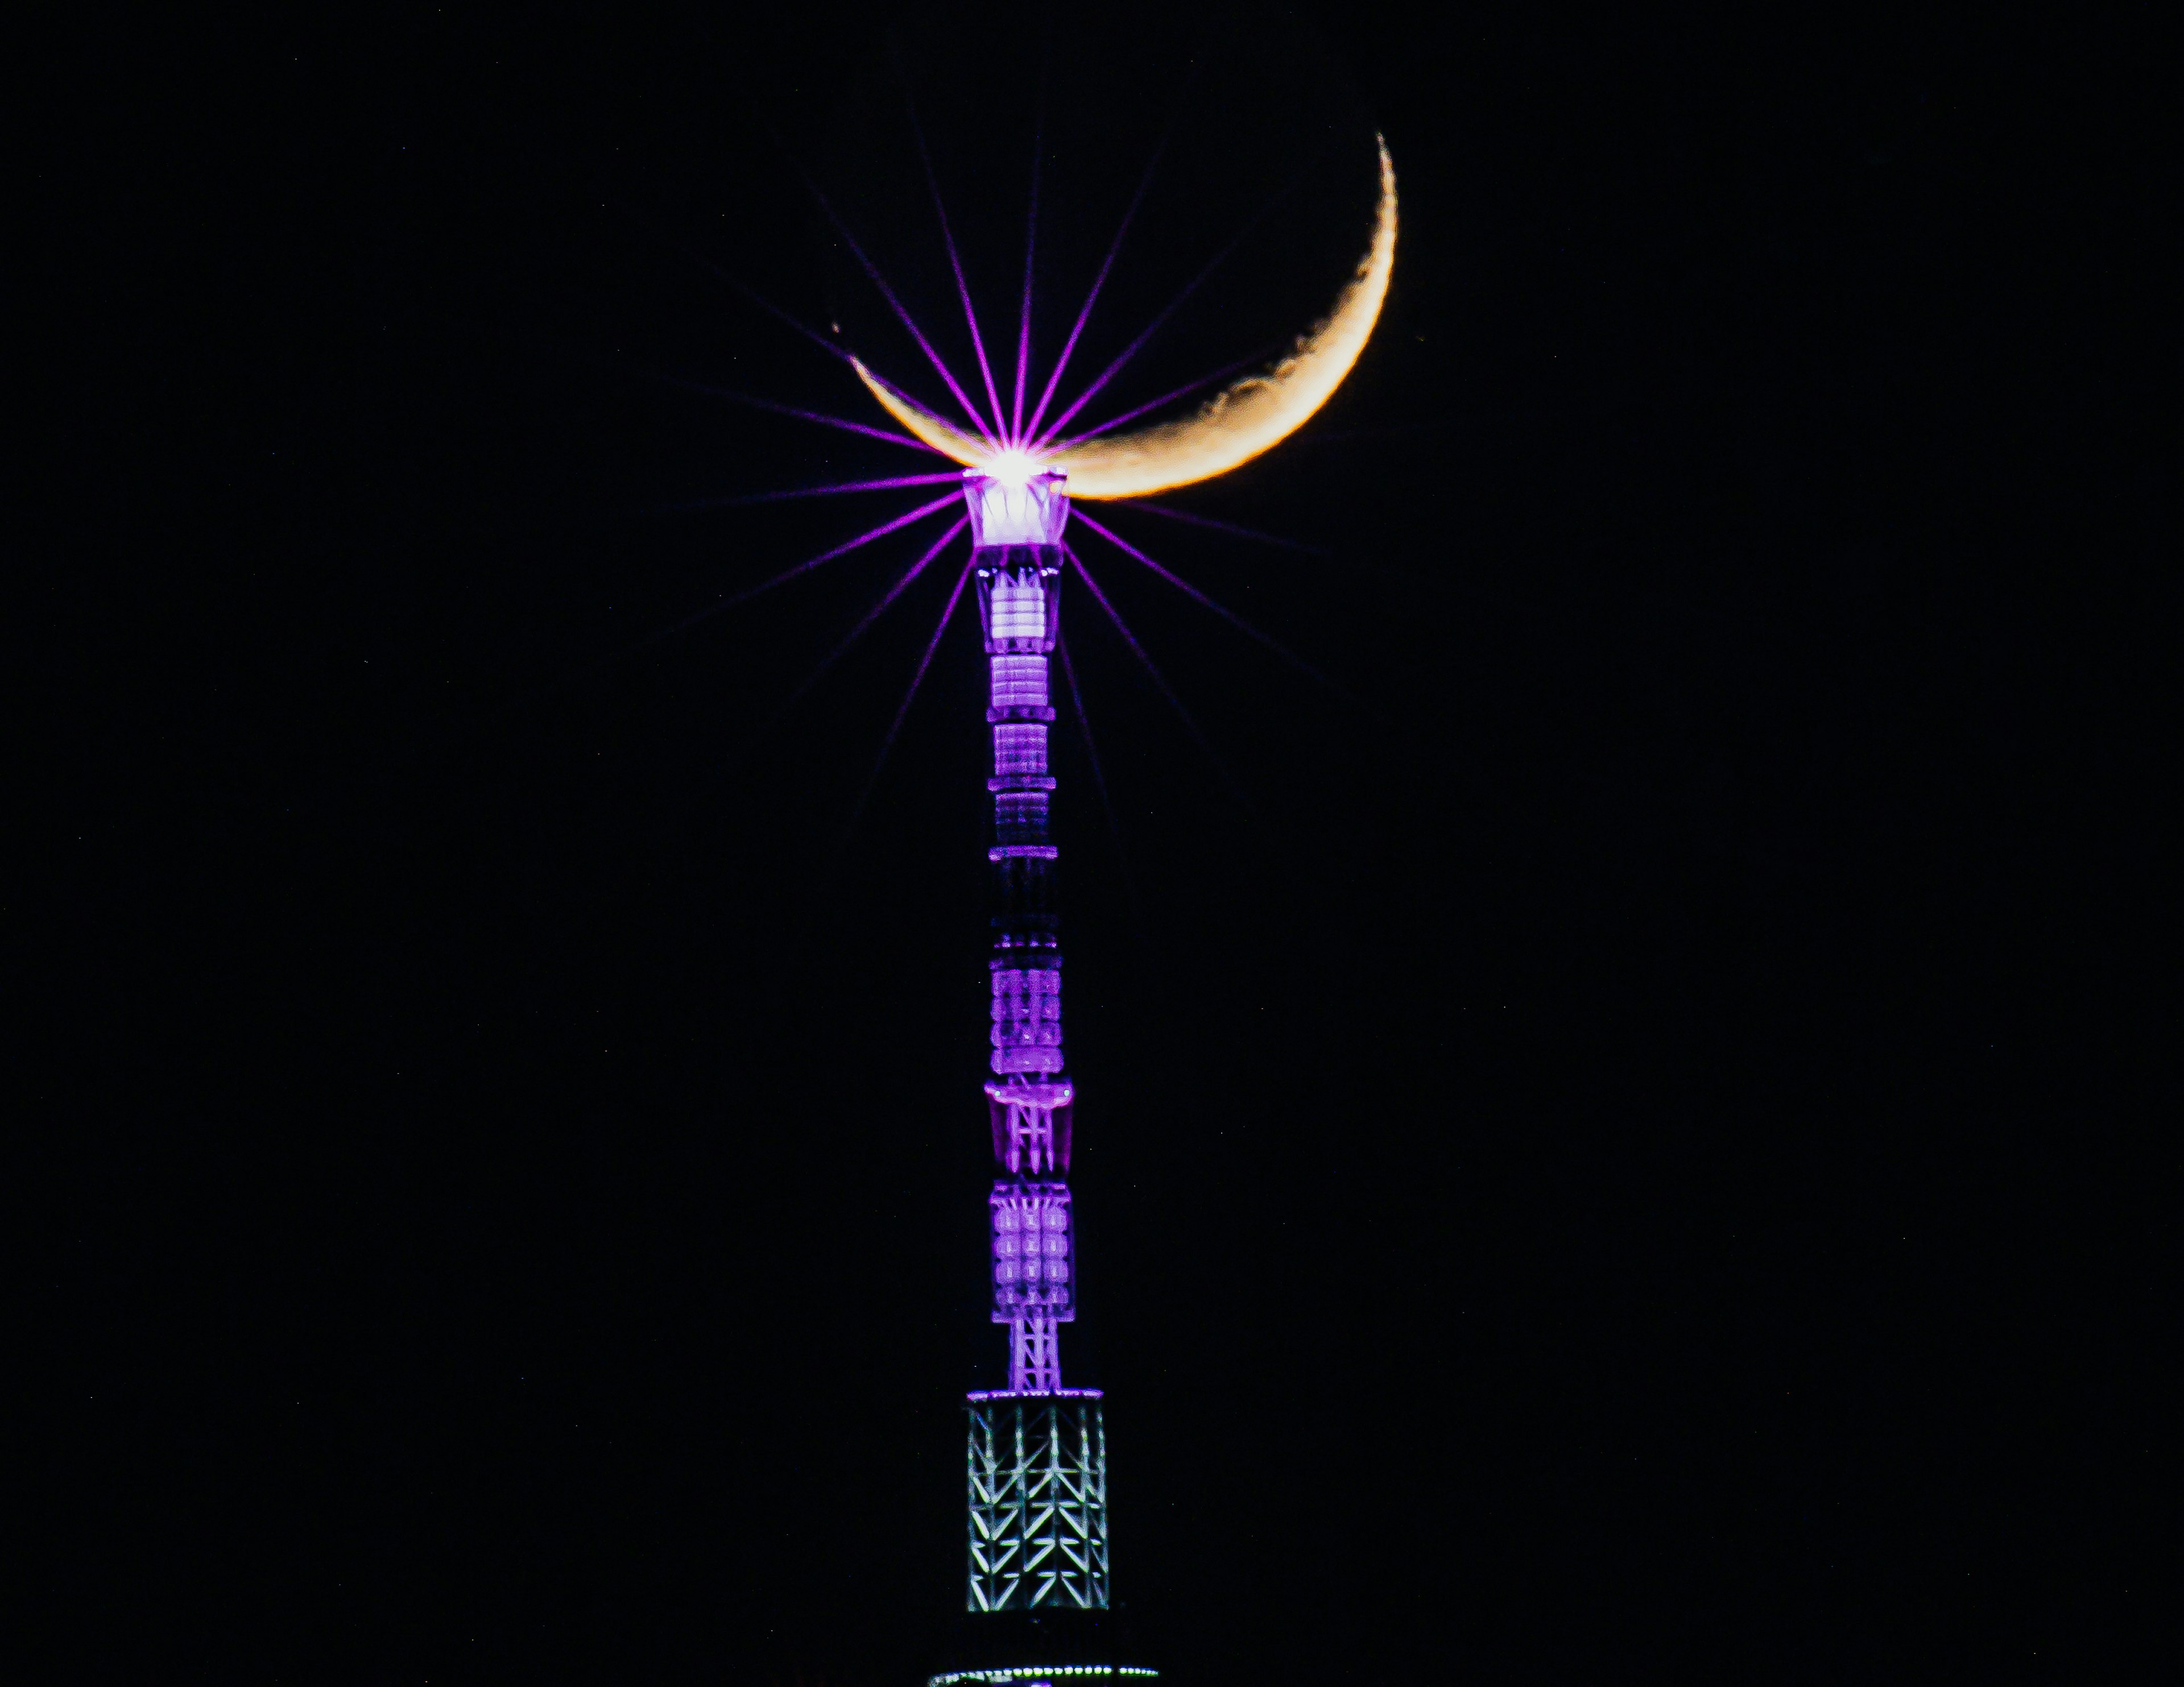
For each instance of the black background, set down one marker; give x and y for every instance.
(1606, 1150)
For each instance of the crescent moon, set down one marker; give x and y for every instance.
(1246, 419)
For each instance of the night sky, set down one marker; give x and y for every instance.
(1609, 1147)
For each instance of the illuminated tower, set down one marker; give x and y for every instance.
(1037, 1591)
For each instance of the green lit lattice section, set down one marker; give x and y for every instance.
(1038, 1503)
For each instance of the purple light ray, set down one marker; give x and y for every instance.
(774, 310)
(1084, 730)
(820, 339)
(1173, 304)
(894, 304)
(955, 263)
(1167, 691)
(873, 614)
(1098, 282)
(1152, 328)
(826, 662)
(908, 697)
(1228, 615)
(820, 417)
(749, 292)
(1023, 317)
(1256, 536)
(1114, 422)
(887, 485)
(1100, 780)
(788, 575)
(1229, 527)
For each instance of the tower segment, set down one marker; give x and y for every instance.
(1016, 540)
(1037, 1477)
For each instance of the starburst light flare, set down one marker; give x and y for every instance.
(1037, 1469)
(1243, 420)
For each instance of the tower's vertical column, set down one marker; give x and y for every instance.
(1038, 1451)
(1017, 535)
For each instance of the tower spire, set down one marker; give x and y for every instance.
(1016, 528)
(1037, 1466)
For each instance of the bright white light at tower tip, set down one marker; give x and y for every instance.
(1011, 468)
(1023, 503)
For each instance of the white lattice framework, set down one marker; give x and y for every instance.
(1039, 1502)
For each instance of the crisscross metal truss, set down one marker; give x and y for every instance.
(1038, 1503)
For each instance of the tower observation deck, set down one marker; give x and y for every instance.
(1037, 1592)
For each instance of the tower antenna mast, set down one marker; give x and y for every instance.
(1037, 1592)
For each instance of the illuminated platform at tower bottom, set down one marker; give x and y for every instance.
(1032, 1677)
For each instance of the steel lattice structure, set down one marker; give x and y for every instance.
(1039, 1501)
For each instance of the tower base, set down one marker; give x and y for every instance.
(1023, 1648)
(1052, 1675)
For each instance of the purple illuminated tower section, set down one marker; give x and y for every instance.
(1037, 1592)
(1017, 537)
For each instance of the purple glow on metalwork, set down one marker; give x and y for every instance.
(955, 263)
(1023, 1092)
(1019, 1135)
(1138, 651)
(1230, 527)
(1019, 748)
(1035, 1355)
(1026, 1117)
(1007, 511)
(1018, 681)
(1098, 281)
(1027, 1018)
(908, 697)
(1023, 316)
(1031, 1253)
(887, 485)
(1020, 817)
(902, 315)
(1188, 388)
(1228, 615)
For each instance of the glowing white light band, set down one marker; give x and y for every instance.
(1002, 1677)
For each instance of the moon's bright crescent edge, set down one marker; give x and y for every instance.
(1246, 418)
